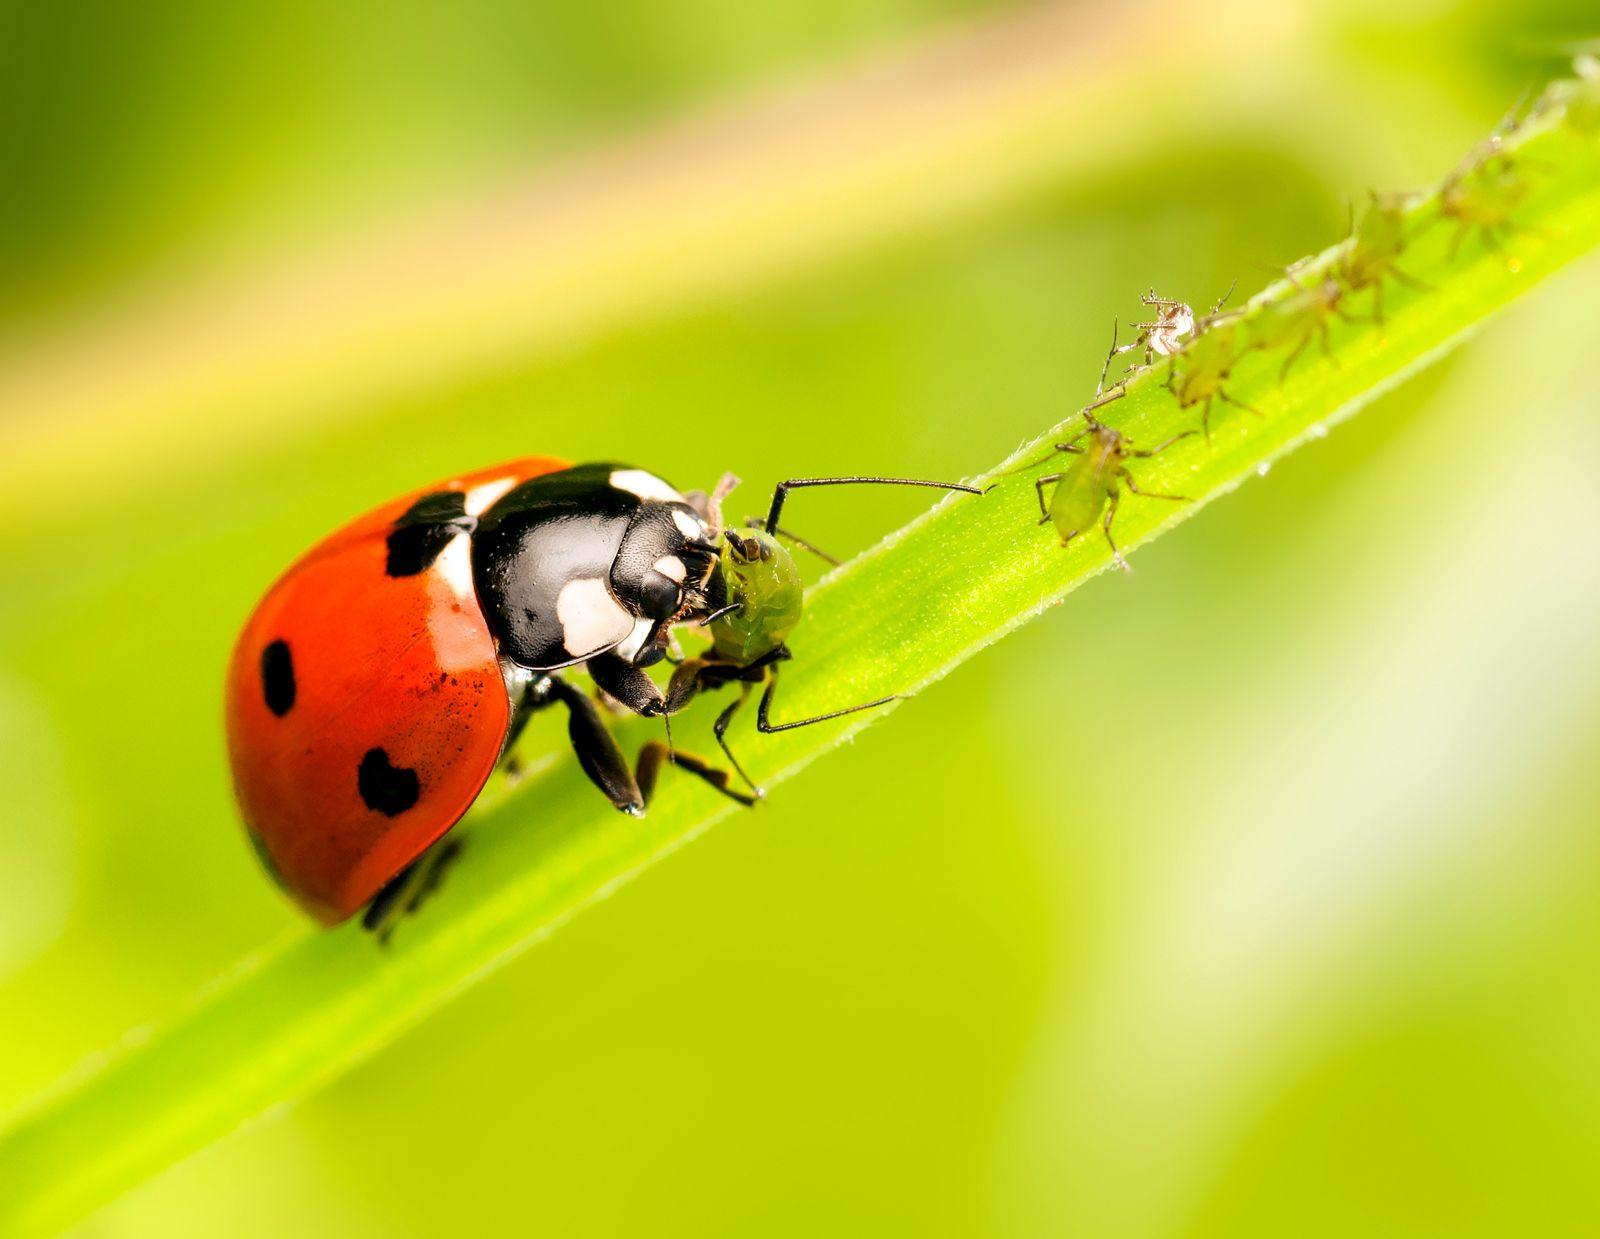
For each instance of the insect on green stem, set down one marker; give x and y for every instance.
(1372, 254)
(1090, 488)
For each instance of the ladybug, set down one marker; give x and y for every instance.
(387, 673)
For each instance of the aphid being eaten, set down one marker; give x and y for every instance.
(1482, 192)
(758, 598)
(1090, 488)
(1163, 337)
(1297, 316)
(1376, 242)
(1198, 373)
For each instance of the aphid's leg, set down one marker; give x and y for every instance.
(1133, 488)
(1147, 452)
(656, 752)
(1322, 339)
(694, 676)
(1455, 241)
(1114, 496)
(1205, 419)
(1240, 404)
(1070, 446)
(598, 753)
(1288, 361)
(720, 730)
(1099, 402)
(1377, 300)
(1038, 489)
(1410, 281)
(402, 894)
(1117, 350)
(767, 727)
(1344, 315)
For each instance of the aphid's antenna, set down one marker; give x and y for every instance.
(755, 522)
(718, 614)
(1105, 366)
(781, 491)
(1223, 300)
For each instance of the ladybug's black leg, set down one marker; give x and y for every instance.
(403, 893)
(628, 684)
(597, 749)
(534, 697)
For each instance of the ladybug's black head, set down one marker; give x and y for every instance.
(663, 569)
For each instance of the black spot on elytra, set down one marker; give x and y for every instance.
(385, 787)
(424, 530)
(277, 677)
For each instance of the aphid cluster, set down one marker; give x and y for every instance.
(389, 672)
(1199, 352)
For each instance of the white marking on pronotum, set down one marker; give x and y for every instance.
(591, 619)
(645, 485)
(455, 565)
(630, 648)
(689, 525)
(483, 496)
(671, 567)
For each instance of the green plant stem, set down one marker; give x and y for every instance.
(894, 620)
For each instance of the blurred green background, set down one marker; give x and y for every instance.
(1255, 893)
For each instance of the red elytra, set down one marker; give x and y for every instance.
(354, 693)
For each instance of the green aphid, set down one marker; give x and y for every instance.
(1090, 488)
(1298, 316)
(1198, 374)
(759, 599)
(1482, 193)
(1377, 241)
(759, 571)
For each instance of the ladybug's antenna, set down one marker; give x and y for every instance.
(719, 492)
(781, 491)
